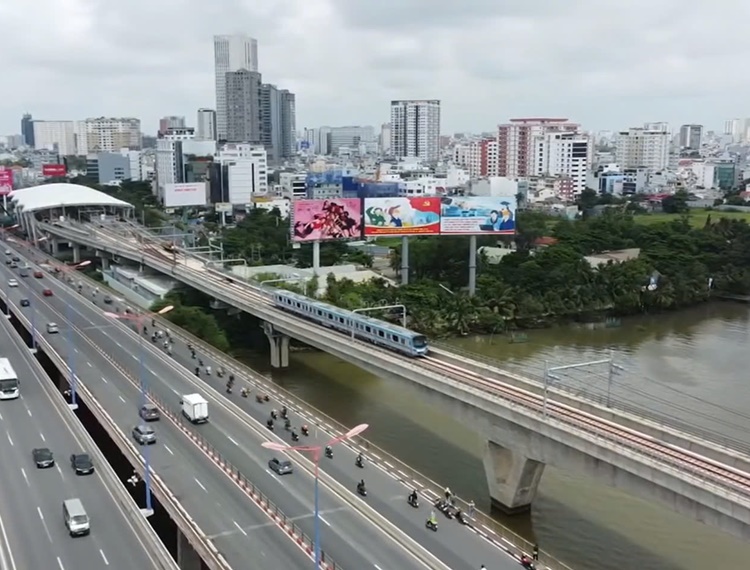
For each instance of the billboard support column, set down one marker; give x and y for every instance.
(472, 265)
(404, 260)
(316, 257)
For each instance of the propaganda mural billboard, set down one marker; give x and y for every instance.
(54, 170)
(402, 216)
(6, 181)
(478, 215)
(321, 220)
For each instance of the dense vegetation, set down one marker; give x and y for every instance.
(531, 286)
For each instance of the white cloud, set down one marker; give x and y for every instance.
(605, 64)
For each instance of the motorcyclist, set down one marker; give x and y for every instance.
(269, 423)
(287, 424)
(284, 412)
(274, 415)
(526, 562)
(244, 392)
(413, 497)
(208, 371)
(295, 437)
(359, 462)
(432, 520)
(197, 371)
(231, 377)
(361, 487)
(305, 430)
(200, 362)
(329, 451)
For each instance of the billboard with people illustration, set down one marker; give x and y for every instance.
(402, 216)
(322, 220)
(477, 215)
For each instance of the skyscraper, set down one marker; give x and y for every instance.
(231, 53)
(415, 129)
(27, 130)
(288, 137)
(242, 93)
(691, 137)
(205, 128)
(270, 121)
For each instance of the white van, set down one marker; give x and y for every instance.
(75, 517)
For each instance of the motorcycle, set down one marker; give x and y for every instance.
(445, 508)
(329, 453)
(244, 392)
(460, 517)
(305, 431)
(259, 398)
(274, 415)
(295, 437)
(359, 462)
(361, 490)
(284, 412)
(269, 424)
(432, 525)
(287, 425)
(412, 501)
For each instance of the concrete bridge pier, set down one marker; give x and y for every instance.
(512, 478)
(279, 346)
(76, 253)
(53, 246)
(187, 557)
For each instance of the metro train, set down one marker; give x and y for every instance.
(378, 332)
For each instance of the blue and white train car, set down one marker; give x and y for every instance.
(365, 328)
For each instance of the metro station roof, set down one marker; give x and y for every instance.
(60, 194)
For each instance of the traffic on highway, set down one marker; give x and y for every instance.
(238, 428)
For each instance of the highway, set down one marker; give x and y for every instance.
(219, 507)
(31, 498)
(347, 536)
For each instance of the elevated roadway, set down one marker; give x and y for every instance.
(235, 431)
(31, 521)
(526, 425)
(106, 359)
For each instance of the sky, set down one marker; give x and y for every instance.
(607, 65)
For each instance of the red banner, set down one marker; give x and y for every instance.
(54, 170)
(6, 181)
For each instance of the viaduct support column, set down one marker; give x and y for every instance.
(105, 263)
(512, 478)
(279, 346)
(76, 253)
(54, 247)
(187, 557)
(405, 261)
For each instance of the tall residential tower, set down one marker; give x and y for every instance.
(231, 53)
(415, 129)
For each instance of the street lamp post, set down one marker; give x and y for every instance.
(71, 348)
(138, 320)
(316, 451)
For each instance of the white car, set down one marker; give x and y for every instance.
(52, 328)
(12, 283)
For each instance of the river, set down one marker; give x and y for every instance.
(689, 365)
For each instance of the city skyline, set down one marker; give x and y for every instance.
(486, 63)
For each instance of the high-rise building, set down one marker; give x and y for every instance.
(480, 158)
(565, 155)
(516, 143)
(385, 138)
(107, 135)
(55, 135)
(27, 129)
(691, 137)
(243, 106)
(415, 129)
(205, 128)
(270, 122)
(639, 147)
(288, 137)
(172, 122)
(350, 137)
(231, 53)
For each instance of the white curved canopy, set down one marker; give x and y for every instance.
(57, 195)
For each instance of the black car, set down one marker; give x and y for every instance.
(81, 464)
(25, 302)
(107, 300)
(8, 262)
(43, 457)
(16, 258)
(149, 413)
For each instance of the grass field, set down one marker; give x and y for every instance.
(697, 217)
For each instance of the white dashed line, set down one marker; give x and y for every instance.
(42, 436)
(239, 528)
(104, 557)
(104, 379)
(200, 484)
(28, 412)
(26, 478)
(169, 450)
(87, 362)
(123, 400)
(60, 564)
(233, 441)
(9, 439)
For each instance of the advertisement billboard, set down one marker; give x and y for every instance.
(402, 216)
(6, 181)
(54, 170)
(318, 220)
(185, 194)
(477, 215)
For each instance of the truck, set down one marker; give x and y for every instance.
(9, 385)
(195, 408)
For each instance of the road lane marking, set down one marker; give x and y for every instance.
(28, 411)
(87, 362)
(42, 436)
(104, 557)
(104, 379)
(1, 416)
(169, 450)
(233, 441)
(26, 477)
(134, 357)
(123, 400)
(6, 550)
(242, 530)
(200, 484)
(60, 564)
(44, 523)
(57, 466)
(9, 439)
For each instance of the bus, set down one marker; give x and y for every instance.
(8, 381)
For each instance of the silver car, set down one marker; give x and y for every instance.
(143, 434)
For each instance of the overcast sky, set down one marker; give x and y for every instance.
(607, 64)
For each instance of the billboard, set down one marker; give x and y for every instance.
(185, 194)
(317, 220)
(477, 215)
(54, 170)
(6, 181)
(402, 216)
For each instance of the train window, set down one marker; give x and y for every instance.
(394, 337)
(381, 333)
(367, 328)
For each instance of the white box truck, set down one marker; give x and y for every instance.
(195, 408)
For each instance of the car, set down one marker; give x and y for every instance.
(25, 302)
(16, 258)
(47, 292)
(7, 252)
(52, 328)
(43, 457)
(13, 265)
(143, 434)
(149, 413)
(38, 274)
(8, 262)
(81, 463)
(107, 300)
(12, 283)
(281, 466)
